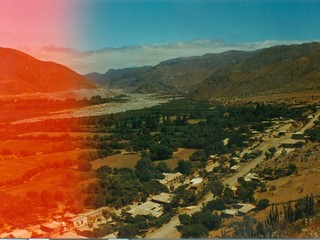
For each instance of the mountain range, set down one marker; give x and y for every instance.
(279, 69)
(174, 75)
(21, 73)
(274, 70)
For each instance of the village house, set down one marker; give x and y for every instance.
(79, 221)
(196, 183)
(282, 133)
(235, 168)
(236, 159)
(251, 177)
(244, 208)
(90, 217)
(298, 135)
(146, 208)
(36, 231)
(53, 227)
(18, 233)
(228, 213)
(214, 158)
(211, 165)
(163, 198)
(171, 180)
(292, 143)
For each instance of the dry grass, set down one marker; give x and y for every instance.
(117, 161)
(294, 98)
(13, 167)
(181, 154)
(54, 179)
(295, 186)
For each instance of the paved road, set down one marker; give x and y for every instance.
(310, 124)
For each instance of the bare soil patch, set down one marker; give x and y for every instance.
(181, 154)
(117, 161)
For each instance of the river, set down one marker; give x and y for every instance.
(135, 101)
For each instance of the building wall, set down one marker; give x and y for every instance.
(81, 222)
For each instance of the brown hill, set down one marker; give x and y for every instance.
(279, 69)
(180, 73)
(20, 73)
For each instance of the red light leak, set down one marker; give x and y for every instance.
(38, 163)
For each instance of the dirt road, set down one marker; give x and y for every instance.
(310, 124)
(169, 230)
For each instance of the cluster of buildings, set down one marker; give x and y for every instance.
(67, 226)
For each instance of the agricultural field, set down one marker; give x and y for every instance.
(180, 154)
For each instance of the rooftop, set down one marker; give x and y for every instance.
(291, 141)
(245, 207)
(230, 212)
(168, 177)
(196, 181)
(51, 225)
(163, 198)
(211, 165)
(235, 167)
(20, 233)
(146, 208)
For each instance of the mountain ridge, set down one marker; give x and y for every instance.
(181, 73)
(278, 69)
(21, 73)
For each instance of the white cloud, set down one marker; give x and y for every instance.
(135, 56)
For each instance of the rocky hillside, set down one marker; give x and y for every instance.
(179, 74)
(20, 73)
(279, 69)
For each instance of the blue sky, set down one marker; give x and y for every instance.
(117, 23)
(96, 35)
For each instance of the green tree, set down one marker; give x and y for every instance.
(185, 219)
(163, 167)
(145, 169)
(102, 231)
(199, 155)
(100, 201)
(262, 203)
(217, 204)
(127, 231)
(228, 195)
(195, 231)
(160, 152)
(272, 150)
(217, 188)
(184, 167)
